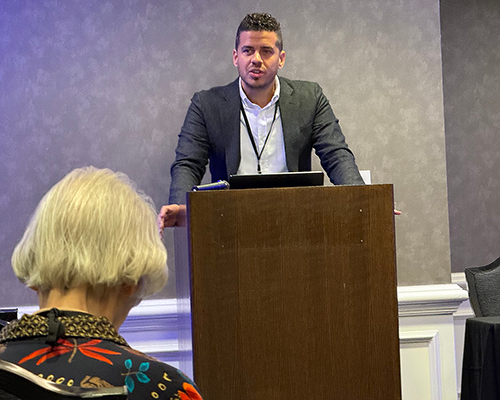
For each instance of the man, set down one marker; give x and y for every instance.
(257, 124)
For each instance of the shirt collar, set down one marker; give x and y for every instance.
(247, 103)
(76, 324)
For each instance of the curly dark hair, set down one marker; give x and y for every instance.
(260, 22)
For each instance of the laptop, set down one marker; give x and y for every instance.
(283, 179)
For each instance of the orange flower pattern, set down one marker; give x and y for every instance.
(88, 349)
(190, 393)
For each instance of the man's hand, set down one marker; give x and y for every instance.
(171, 215)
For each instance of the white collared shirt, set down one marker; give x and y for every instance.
(273, 157)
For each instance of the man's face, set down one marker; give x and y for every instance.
(258, 60)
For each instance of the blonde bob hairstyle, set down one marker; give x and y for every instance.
(95, 229)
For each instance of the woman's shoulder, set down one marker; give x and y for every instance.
(163, 380)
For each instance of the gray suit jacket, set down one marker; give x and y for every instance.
(211, 132)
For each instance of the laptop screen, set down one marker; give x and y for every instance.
(284, 179)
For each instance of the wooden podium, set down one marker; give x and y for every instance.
(292, 293)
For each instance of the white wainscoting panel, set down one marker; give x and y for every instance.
(420, 361)
(427, 340)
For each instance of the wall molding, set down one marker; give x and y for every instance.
(151, 327)
(465, 310)
(418, 337)
(442, 299)
(158, 314)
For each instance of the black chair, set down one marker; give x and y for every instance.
(7, 315)
(484, 289)
(16, 383)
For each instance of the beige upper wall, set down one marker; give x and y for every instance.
(108, 83)
(380, 65)
(471, 68)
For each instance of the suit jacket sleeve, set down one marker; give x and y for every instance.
(191, 154)
(329, 143)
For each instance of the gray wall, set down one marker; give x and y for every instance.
(471, 80)
(107, 83)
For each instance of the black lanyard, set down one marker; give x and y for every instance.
(249, 130)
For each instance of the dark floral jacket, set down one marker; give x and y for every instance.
(74, 348)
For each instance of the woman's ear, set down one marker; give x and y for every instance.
(129, 289)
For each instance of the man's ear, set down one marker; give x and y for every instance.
(235, 58)
(282, 59)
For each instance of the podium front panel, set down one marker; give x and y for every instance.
(293, 293)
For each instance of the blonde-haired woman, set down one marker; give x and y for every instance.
(91, 251)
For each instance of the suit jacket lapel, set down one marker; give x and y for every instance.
(289, 122)
(230, 126)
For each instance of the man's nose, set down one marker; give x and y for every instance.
(257, 59)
